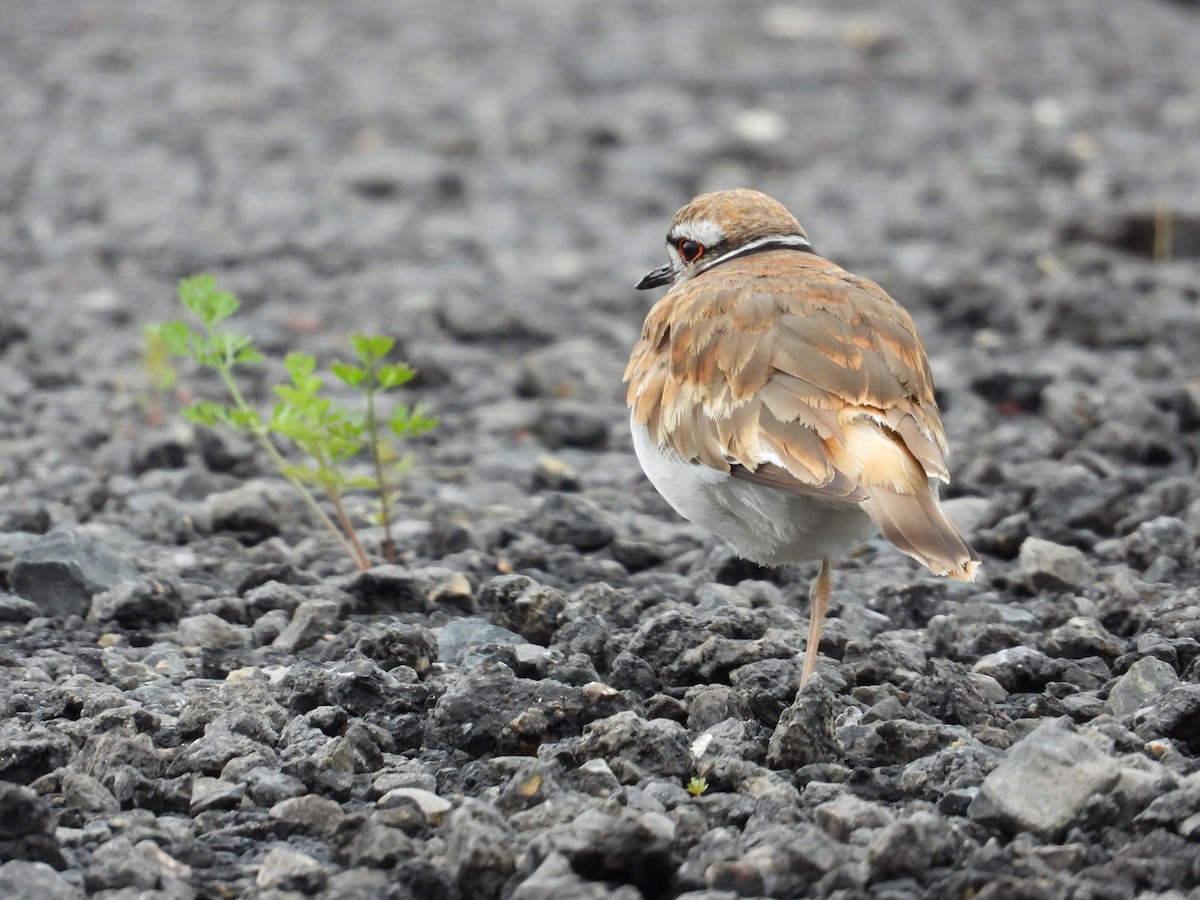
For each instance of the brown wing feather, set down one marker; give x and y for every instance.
(800, 356)
(824, 391)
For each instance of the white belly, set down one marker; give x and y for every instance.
(769, 526)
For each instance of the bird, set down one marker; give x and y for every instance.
(785, 404)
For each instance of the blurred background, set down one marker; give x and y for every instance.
(487, 180)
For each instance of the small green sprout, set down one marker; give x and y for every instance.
(697, 786)
(329, 434)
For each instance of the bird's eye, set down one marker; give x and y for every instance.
(689, 251)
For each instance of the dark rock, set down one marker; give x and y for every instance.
(1164, 536)
(572, 423)
(62, 570)
(23, 813)
(361, 841)
(522, 605)
(627, 848)
(490, 710)
(401, 645)
(909, 847)
(573, 520)
(390, 589)
(1175, 715)
(709, 704)
(28, 751)
(480, 850)
(145, 601)
(1075, 497)
(1083, 636)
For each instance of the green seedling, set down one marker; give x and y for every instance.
(329, 434)
(697, 787)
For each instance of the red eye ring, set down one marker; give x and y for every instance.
(689, 250)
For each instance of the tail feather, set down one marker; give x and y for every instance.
(919, 527)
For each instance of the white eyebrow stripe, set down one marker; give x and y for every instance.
(704, 232)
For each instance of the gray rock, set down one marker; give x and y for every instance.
(215, 793)
(1082, 636)
(312, 620)
(579, 368)
(116, 864)
(257, 509)
(22, 880)
(461, 637)
(1018, 668)
(1044, 782)
(211, 632)
(1145, 680)
(433, 807)
(805, 733)
(1053, 567)
(17, 609)
(286, 870)
(85, 792)
(554, 879)
(657, 746)
(62, 570)
(314, 814)
(791, 859)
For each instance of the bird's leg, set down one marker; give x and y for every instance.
(818, 602)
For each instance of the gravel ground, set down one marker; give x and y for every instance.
(201, 699)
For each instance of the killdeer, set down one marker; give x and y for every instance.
(785, 404)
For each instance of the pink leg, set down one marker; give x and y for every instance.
(818, 603)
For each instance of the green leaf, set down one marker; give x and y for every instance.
(175, 335)
(370, 348)
(390, 376)
(348, 374)
(200, 295)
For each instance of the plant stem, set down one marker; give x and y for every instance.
(359, 555)
(385, 513)
(353, 550)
